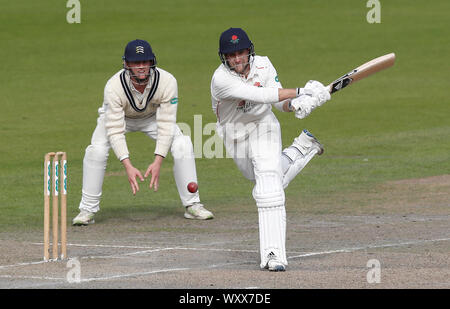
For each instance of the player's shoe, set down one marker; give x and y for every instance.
(198, 211)
(274, 264)
(84, 218)
(306, 138)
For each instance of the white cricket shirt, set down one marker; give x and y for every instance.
(122, 102)
(236, 99)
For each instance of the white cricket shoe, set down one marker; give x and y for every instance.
(84, 218)
(274, 264)
(306, 142)
(198, 211)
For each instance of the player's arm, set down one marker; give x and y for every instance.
(225, 88)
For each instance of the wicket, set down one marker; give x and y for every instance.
(53, 187)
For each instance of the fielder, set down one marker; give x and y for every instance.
(140, 97)
(243, 89)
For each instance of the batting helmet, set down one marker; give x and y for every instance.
(232, 40)
(136, 51)
(139, 50)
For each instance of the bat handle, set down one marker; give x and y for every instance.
(330, 88)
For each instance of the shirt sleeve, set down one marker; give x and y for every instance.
(115, 123)
(225, 88)
(166, 117)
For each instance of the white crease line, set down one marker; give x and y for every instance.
(150, 248)
(103, 246)
(214, 249)
(368, 247)
(98, 278)
(30, 277)
(22, 264)
(128, 254)
(162, 249)
(156, 271)
(248, 251)
(132, 274)
(121, 276)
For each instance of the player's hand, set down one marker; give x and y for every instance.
(132, 173)
(319, 91)
(303, 105)
(153, 169)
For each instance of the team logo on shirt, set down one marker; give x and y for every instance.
(234, 39)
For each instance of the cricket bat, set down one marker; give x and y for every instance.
(364, 70)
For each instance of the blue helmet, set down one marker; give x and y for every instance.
(232, 40)
(135, 51)
(139, 50)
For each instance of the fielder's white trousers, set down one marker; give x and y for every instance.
(96, 157)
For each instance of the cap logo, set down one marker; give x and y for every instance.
(234, 39)
(139, 49)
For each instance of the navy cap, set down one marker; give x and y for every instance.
(232, 40)
(138, 50)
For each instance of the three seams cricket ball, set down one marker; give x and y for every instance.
(192, 187)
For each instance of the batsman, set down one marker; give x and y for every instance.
(243, 90)
(139, 98)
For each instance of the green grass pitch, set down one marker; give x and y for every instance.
(393, 125)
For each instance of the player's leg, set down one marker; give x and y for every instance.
(295, 157)
(184, 170)
(258, 158)
(94, 166)
(269, 196)
(268, 192)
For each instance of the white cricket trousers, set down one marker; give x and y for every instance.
(258, 156)
(96, 157)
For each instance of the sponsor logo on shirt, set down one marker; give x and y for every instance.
(244, 106)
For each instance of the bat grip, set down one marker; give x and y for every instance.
(330, 88)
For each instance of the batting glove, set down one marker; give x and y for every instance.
(319, 91)
(304, 91)
(303, 105)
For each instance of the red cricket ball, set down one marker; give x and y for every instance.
(192, 187)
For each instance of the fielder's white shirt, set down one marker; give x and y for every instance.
(122, 101)
(237, 99)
